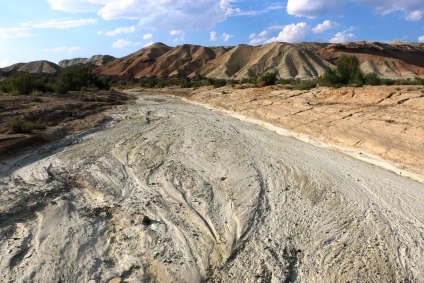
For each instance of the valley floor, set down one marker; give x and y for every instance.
(386, 122)
(170, 191)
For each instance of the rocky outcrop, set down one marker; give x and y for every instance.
(35, 67)
(71, 62)
(96, 60)
(40, 67)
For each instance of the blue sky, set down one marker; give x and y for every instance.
(62, 29)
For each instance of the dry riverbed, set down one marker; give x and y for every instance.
(384, 121)
(170, 191)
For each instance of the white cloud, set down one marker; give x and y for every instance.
(117, 31)
(14, 32)
(178, 14)
(414, 16)
(260, 38)
(179, 35)
(147, 36)
(239, 12)
(389, 6)
(421, 39)
(62, 24)
(343, 36)
(213, 36)
(161, 14)
(413, 9)
(225, 36)
(326, 25)
(313, 8)
(148, 44)
(76, 6)
(121, 43)
(63, 49)
(5, 62)
(291, 33)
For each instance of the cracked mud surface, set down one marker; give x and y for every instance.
(385, 121)
(226, 201)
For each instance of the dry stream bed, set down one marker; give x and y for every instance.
(226, 201)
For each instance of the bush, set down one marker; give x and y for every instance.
(305, 85)
(347, 72)
(23, 126)
(186, 83)
(36, 99)
(75, 78)
(268, 79)
(217, 83)
(348, 69)
(356, 83)
(388, 81)
(22, 83)
(372, 79)
(149, 83)
(286, 81)
(329, 79)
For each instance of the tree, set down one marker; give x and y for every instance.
(23, 83)
(75, 78)
(348, 70)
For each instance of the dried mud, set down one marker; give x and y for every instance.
(173, 192)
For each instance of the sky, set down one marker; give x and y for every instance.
(53, 30)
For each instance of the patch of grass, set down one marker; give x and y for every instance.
(36, 99)
(22, 126)
(36, 93)
(305, 85)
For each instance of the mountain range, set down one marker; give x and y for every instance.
(396, 60)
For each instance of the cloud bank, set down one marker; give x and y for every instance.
(413, 9)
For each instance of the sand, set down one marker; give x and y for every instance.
(170, 191)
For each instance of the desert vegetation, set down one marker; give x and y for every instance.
(22, 126)
(75, 78)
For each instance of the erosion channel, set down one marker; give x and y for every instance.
(170, 191)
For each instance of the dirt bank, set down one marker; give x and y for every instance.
(59, 116)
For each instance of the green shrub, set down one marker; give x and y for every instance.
(356, 83)
(217, 83)
(388, 81)
(186, 83)
(329, 79)
(23, 126)
(75, 78)
(305, 85)
(36, 99)
(22, 83)
(268, 79)
(372, 79)
(149, 83)
(348, 70)
(233, 82)
(286, 81)
(36, 92)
